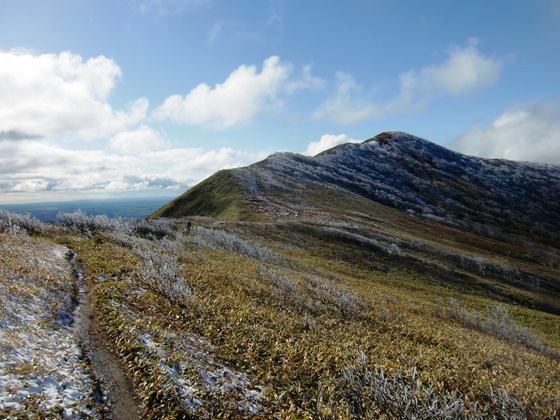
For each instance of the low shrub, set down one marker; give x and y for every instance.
(161, 272)
(218, 239)
(348, 304)
(315, 295)
(17, 222)
(152, 229)
(80, 222)
(370, 393)
(497, 323)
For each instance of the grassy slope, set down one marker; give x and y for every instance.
(285, 338)
(42, 372)
(294, 342)
(374, 220)
(236, 307)
(220, 196)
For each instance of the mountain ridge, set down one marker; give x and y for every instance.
(398, 170)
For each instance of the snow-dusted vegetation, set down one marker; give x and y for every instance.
(370, 393)
(499, 323)
(41, 364)
(16, 222)
(161, 271)
(81, 222)
(219, 239)
(173, 370)
(313, 295)
(406, 172)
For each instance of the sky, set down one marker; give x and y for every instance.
(140, 98)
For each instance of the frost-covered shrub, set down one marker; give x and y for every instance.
(78, 221)
(315, 295)
(501, 405)
(348, 304)
(17, 222)
(370, 393)
(475, 263)
(386, 246)
(499, 324)
(152, 229)
(161, 272)
(285, 289)
(394, 249)
(218, 239)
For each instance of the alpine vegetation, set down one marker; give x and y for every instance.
(348, 304)
(17, 222)
(152, 229)
(162, 272)
(42, 369)
(80, 222)
(260, 312)
(219, 239)
(498, 322)
(310, 294)
(371, 393)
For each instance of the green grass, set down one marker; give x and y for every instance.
(220, 196)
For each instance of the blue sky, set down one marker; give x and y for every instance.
(146, 97)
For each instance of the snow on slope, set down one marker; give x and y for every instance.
(415, 175)
(41, 366)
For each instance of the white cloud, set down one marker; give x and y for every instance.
(529, 133)
(464, 71)
(50, 103)
(139, 140)
(30, 167)
(245, 93)
(62, 94)
(347, 106)
(305, 81)
(51, 100)
(235, 101)
(326, 142)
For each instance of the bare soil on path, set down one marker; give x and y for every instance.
(114, 391)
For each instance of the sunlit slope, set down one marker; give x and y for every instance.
(488, 196)
(489, 226)
(221, 196)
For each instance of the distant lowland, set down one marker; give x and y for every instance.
(130, 208)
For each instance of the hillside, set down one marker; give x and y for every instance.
(395, 169)
(496, 217)
(387, 279)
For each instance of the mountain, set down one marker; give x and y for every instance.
(488, 225)
(395, 169)
(388, 279)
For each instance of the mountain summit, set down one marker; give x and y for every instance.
(394, 169)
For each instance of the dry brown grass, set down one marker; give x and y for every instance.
(267, 320)
(294, 340)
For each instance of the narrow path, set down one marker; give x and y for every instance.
(114, 390)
